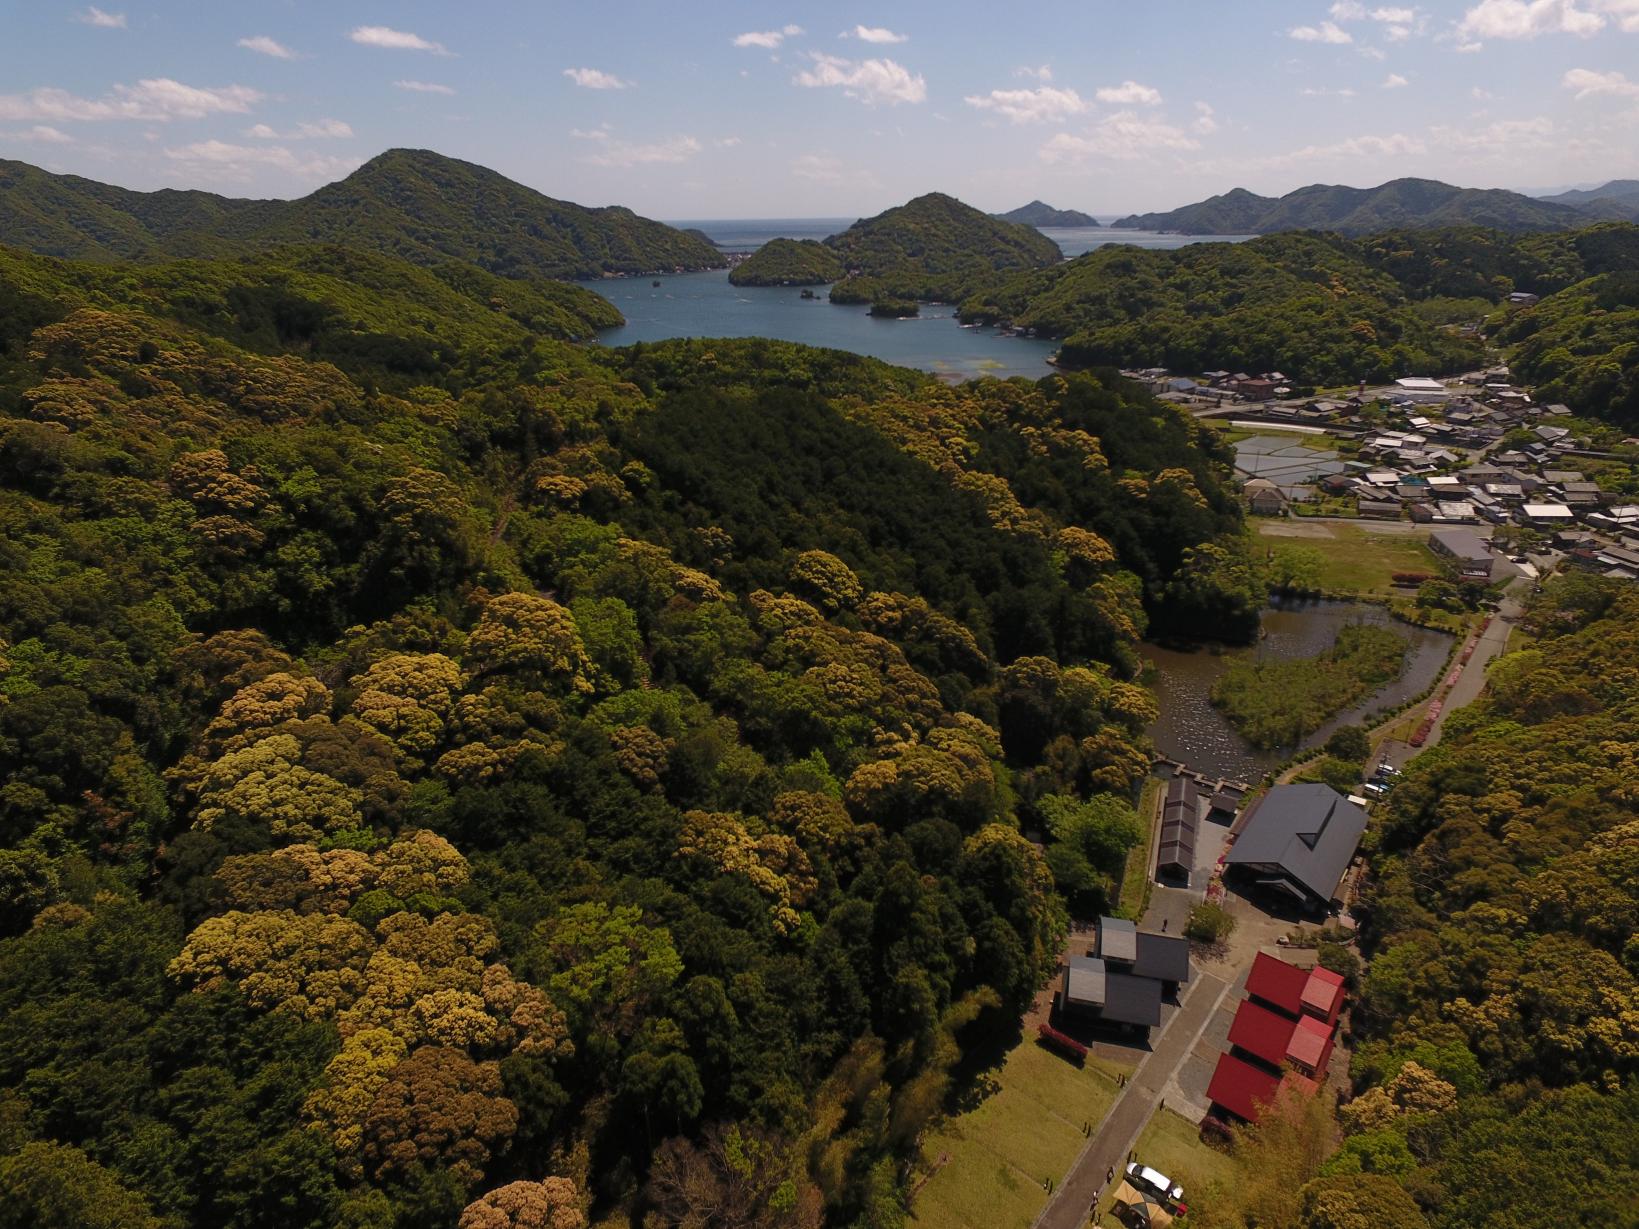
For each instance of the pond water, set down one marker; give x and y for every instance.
(1191, 730)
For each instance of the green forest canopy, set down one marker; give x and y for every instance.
(531, 775)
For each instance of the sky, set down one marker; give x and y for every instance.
(722, 109)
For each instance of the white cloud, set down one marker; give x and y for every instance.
(1625, 12)
(1124, 136)
(870, 81)
(727, 142)
(624, 154)
(1044, 73)
(1325, 32)
(1321, 91)
(222, 160)
(1206, 121)
(1481, 94)
(1503, 141)
(595, 79)
(1588, 83)
(424, 87)
(600, 133)
(395, 40)
(1374, 53)
(1516, 19)
(1129, 93)
(318, 130)
(766, 39)
(1394, 145)
(1349, 10)
(1394, 81)
(264, 45)
(877, 34)
(1045, 104)
(94, 16)
(154, 98)
(42, 134)
(1469, 48)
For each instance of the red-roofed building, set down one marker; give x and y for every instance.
(1323, 994)
(1261, 1033)
(1277, 984)
(1245, 1090)
(1310, 1047)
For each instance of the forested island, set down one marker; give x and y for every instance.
(789, 262)
(1039, 213)
(933, 247)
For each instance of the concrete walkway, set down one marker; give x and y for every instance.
(1109, 1145)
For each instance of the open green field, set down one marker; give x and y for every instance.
(1347, 558)
(990, 1162)
(1172, 1144)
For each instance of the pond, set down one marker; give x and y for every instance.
(1191, 730)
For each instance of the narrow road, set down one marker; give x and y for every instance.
(1472, 680)
(1109, 1145)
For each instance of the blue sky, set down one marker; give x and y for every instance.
(725, 109)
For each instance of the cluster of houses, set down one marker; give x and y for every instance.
(1282, 1035)
(1123, 978)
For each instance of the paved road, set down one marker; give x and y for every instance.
(1108, 1147)
(1472, 680)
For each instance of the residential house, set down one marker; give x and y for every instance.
(1469, 553)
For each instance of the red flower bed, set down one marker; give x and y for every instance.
(1062, 1042)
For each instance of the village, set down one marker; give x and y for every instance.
(1164, 1037)
(1476, 459)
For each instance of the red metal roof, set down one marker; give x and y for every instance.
(1245, 1090)
(1323, 993)
(1311, 1043)
(1262, 1033)
(1277, 983)
(1241, 1088)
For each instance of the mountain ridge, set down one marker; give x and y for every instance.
(416, 204)
(1400, 203)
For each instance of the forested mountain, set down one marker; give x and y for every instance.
(525, 776)
(1500, 1011)
(1311, 306)
(789, 262)
(414, 204)
(1581, 346)
(1360, 211)
(1617, 199)
(933, 247)
(1038, 213)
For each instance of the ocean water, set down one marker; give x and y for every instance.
(705, 305)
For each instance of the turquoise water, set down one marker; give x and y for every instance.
(705, 305)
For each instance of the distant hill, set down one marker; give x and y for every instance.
(930, 248)
(789, 262)
(1400, 203)
(1038, 213)
(1618, 200)
(415, 204)
(1311, 305)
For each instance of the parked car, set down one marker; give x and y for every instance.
(1387, 770)
(1147, 1179)
(1375, 789)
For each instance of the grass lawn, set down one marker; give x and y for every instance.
(1133, 895)
(1350, 558)
(991, 1160)
(1171, 1144)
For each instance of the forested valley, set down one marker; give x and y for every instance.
(450, 774)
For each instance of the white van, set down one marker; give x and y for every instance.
(1145, 1178)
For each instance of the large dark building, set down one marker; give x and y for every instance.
(1298, 840)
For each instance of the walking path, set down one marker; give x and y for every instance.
(1109, 1145)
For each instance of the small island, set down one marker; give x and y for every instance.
(1039, 214)
(789, 262)
(895, 309)
(1275, 703)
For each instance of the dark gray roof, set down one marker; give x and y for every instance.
(1117, 939)
(1179, 815)
(1309, 830)
(1084, 981)
(1163, 957)
(1132, 1000)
